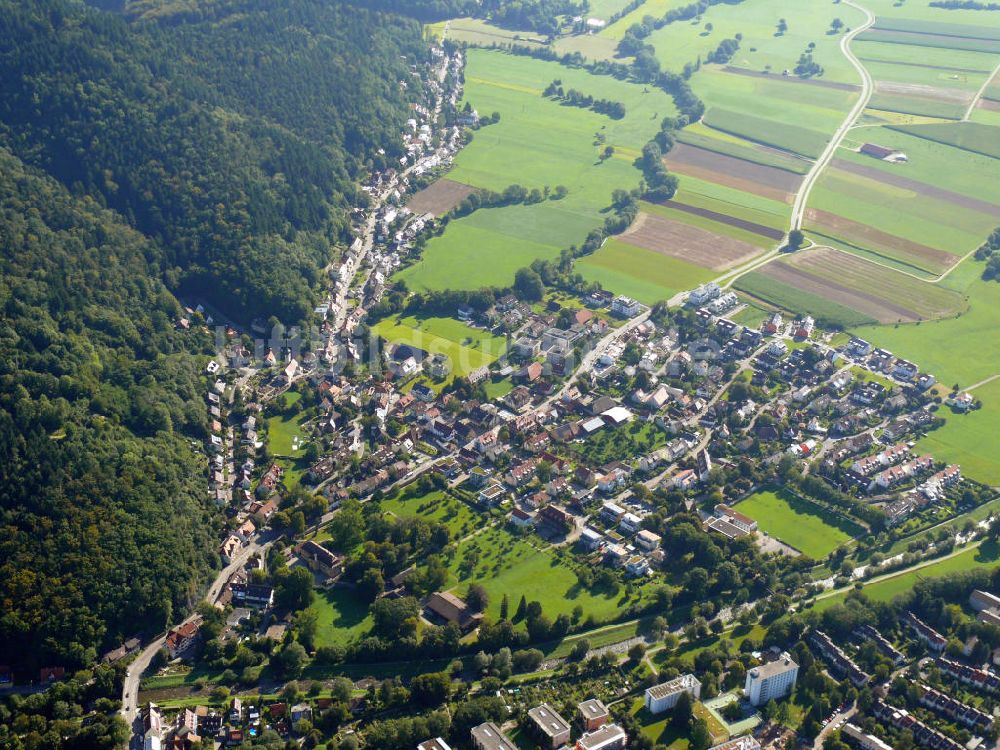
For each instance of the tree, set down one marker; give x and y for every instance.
(701, 738)
(836, 25)
(528, 285)
(683, 712)
(293, 589)
(782, 26)
(306, 626)
(504, 607)
(795, 239)
(522, 606)
(290, 660)
(477, 598)
(432, 689)
(371, 584)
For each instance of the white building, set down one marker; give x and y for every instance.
(663, 697)
(772, 680)
(625, 307)
(608, 737)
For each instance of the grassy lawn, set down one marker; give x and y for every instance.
(646, 275)
(983, 556)
(797, 522)
(621, 443)
(538, 142)
(658, 728)
(467, 348)
(285, 436)
(515, 566)
(435, 506)
(343, 618)
(970, 439)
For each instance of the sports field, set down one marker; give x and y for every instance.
(467, 348)
(537, 143)
(798, 523)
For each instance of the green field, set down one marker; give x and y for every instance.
(514, 566)
(284, 431)
(970, 439)
(761, 47)
(467, 348)
(798, 523)
(968, 136)
(734, 203)
(797, 301)
(643, 274)
(964, 349)
(434, 506)
(983, 556)
(538, 142)
(699, 134)
(768, 132)
(342, 617)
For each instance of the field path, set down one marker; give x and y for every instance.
(979, 94)
(982, 382)
(867, 87)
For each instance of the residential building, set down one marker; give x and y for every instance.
(741, 521)
(934, 640)
(749, 742)
(435, 744)
(647, 540)
(836, 656)
(980, 600)
(450, 608)
(551, 729)
(664, 696)
(254, 595)
(183, 639)
(855, 737)
(593, 714)
(959, 712)
(607, 737)
(488, 737)
(923, 735)
(320, 560)
(625, 307)
(869, 633)
(771, 681)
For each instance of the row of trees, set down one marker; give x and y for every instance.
(573, 98)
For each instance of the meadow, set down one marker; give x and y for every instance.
(761, 48)
(790, 298)
(342, 617)
(970, 439)
(643, 274)
(968, 136)
(285, 436)
(434, 506)
(538, 142)
(798, 523)
(701, 135)
(467, 348)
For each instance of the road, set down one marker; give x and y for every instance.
(133, 676)
(979, 94)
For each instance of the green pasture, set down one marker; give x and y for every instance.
(986, 116)
(761, 49)
(283, 430)
(925, 39)
(798, 523)
(478, 32)
(917, 105)
(970, 439)
(538, 142)
(767, 132)
(467, 348)
(964, 349)
(932, 60)
(699, 134)
(655, 8)
(506, 564)
(795, 300)
(643, 274)
(922, 18)
(735, 203)
(982, 556)
(968, 136)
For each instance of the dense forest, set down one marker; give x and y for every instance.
(150, 150)
(229, 132)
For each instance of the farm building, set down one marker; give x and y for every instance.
(882, 152)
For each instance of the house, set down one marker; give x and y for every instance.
(637, 567)
(450, 608)
(230, 547)
(521, 518)
(320, 560)
(630, 523)
(556, 517)
(934, 640)
(625, 307)
(529, 373)
(663, 697)
(980, 600)
(773, 324)
(434, 744)
(593, 714)
(743, 522)
(771, 681)
(301, 712)
(551, 729)
(647, 540)
(492, 496)
(607, 737)
(488, 737)
(962, 402)
(684, 479)
(253, 595)
(521, 474)
(591, 539)
(439, 366)
(182, 639)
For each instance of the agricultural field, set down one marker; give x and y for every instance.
(968, 136)
(439, 197)
(798, 523)
(467, 348)
(970, 439)
(735, 171)
(479, 32)
(538, 142)
(762, 48)
(963, 349)
(645, 275)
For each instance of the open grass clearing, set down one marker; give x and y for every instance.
(767, 132)
(342, 617)
(467, 348)
(968, 136)
(645, 275)
(655, 8)
(970, 439)
(476, 31)
(812, 530)
(284, 431)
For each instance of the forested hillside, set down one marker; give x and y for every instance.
(228, 132)
(201, 148)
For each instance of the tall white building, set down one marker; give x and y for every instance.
(772, 680)
(663, 697)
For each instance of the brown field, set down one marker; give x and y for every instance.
(749, 226)
(867, 303)
(923, 256)
(922, 91)
(898, 180)
(990, 104)
(757, 179)
(792, 79)
(688, 243)
(439, 197)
